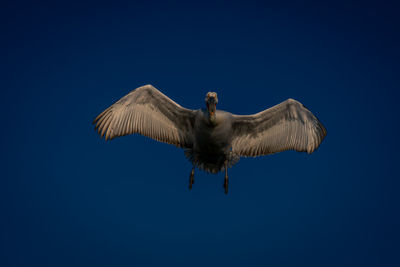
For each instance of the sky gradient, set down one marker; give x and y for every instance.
(69, 198)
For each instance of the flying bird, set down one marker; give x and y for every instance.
(213, 140)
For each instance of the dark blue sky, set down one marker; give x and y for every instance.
(69, 198)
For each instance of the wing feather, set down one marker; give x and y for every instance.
(149, 112)
(286, 126)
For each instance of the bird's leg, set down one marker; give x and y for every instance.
(191, 179)
(226, 177)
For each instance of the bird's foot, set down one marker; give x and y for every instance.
(191, 179)
(226, 185)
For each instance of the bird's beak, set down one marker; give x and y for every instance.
(211, 105)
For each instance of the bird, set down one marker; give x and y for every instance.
(213, 140)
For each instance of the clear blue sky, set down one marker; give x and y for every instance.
(69, 198)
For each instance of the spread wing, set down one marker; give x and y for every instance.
(149, 112)
(286, 126)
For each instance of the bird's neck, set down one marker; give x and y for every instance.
(212, 119)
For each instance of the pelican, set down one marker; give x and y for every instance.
(213, 140)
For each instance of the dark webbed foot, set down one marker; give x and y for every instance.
(226, 178)
(191, 179)
(226, 184)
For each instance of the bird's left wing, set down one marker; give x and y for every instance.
(149, 112)
(286, 126)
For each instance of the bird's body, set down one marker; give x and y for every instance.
(212, 142)
(213, 139)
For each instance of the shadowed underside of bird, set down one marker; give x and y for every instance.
(213, 139)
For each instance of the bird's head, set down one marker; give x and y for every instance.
(211, 102)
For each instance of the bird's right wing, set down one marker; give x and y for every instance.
(149, 112)
(286, 126)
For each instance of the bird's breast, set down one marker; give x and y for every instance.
(213, 138)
